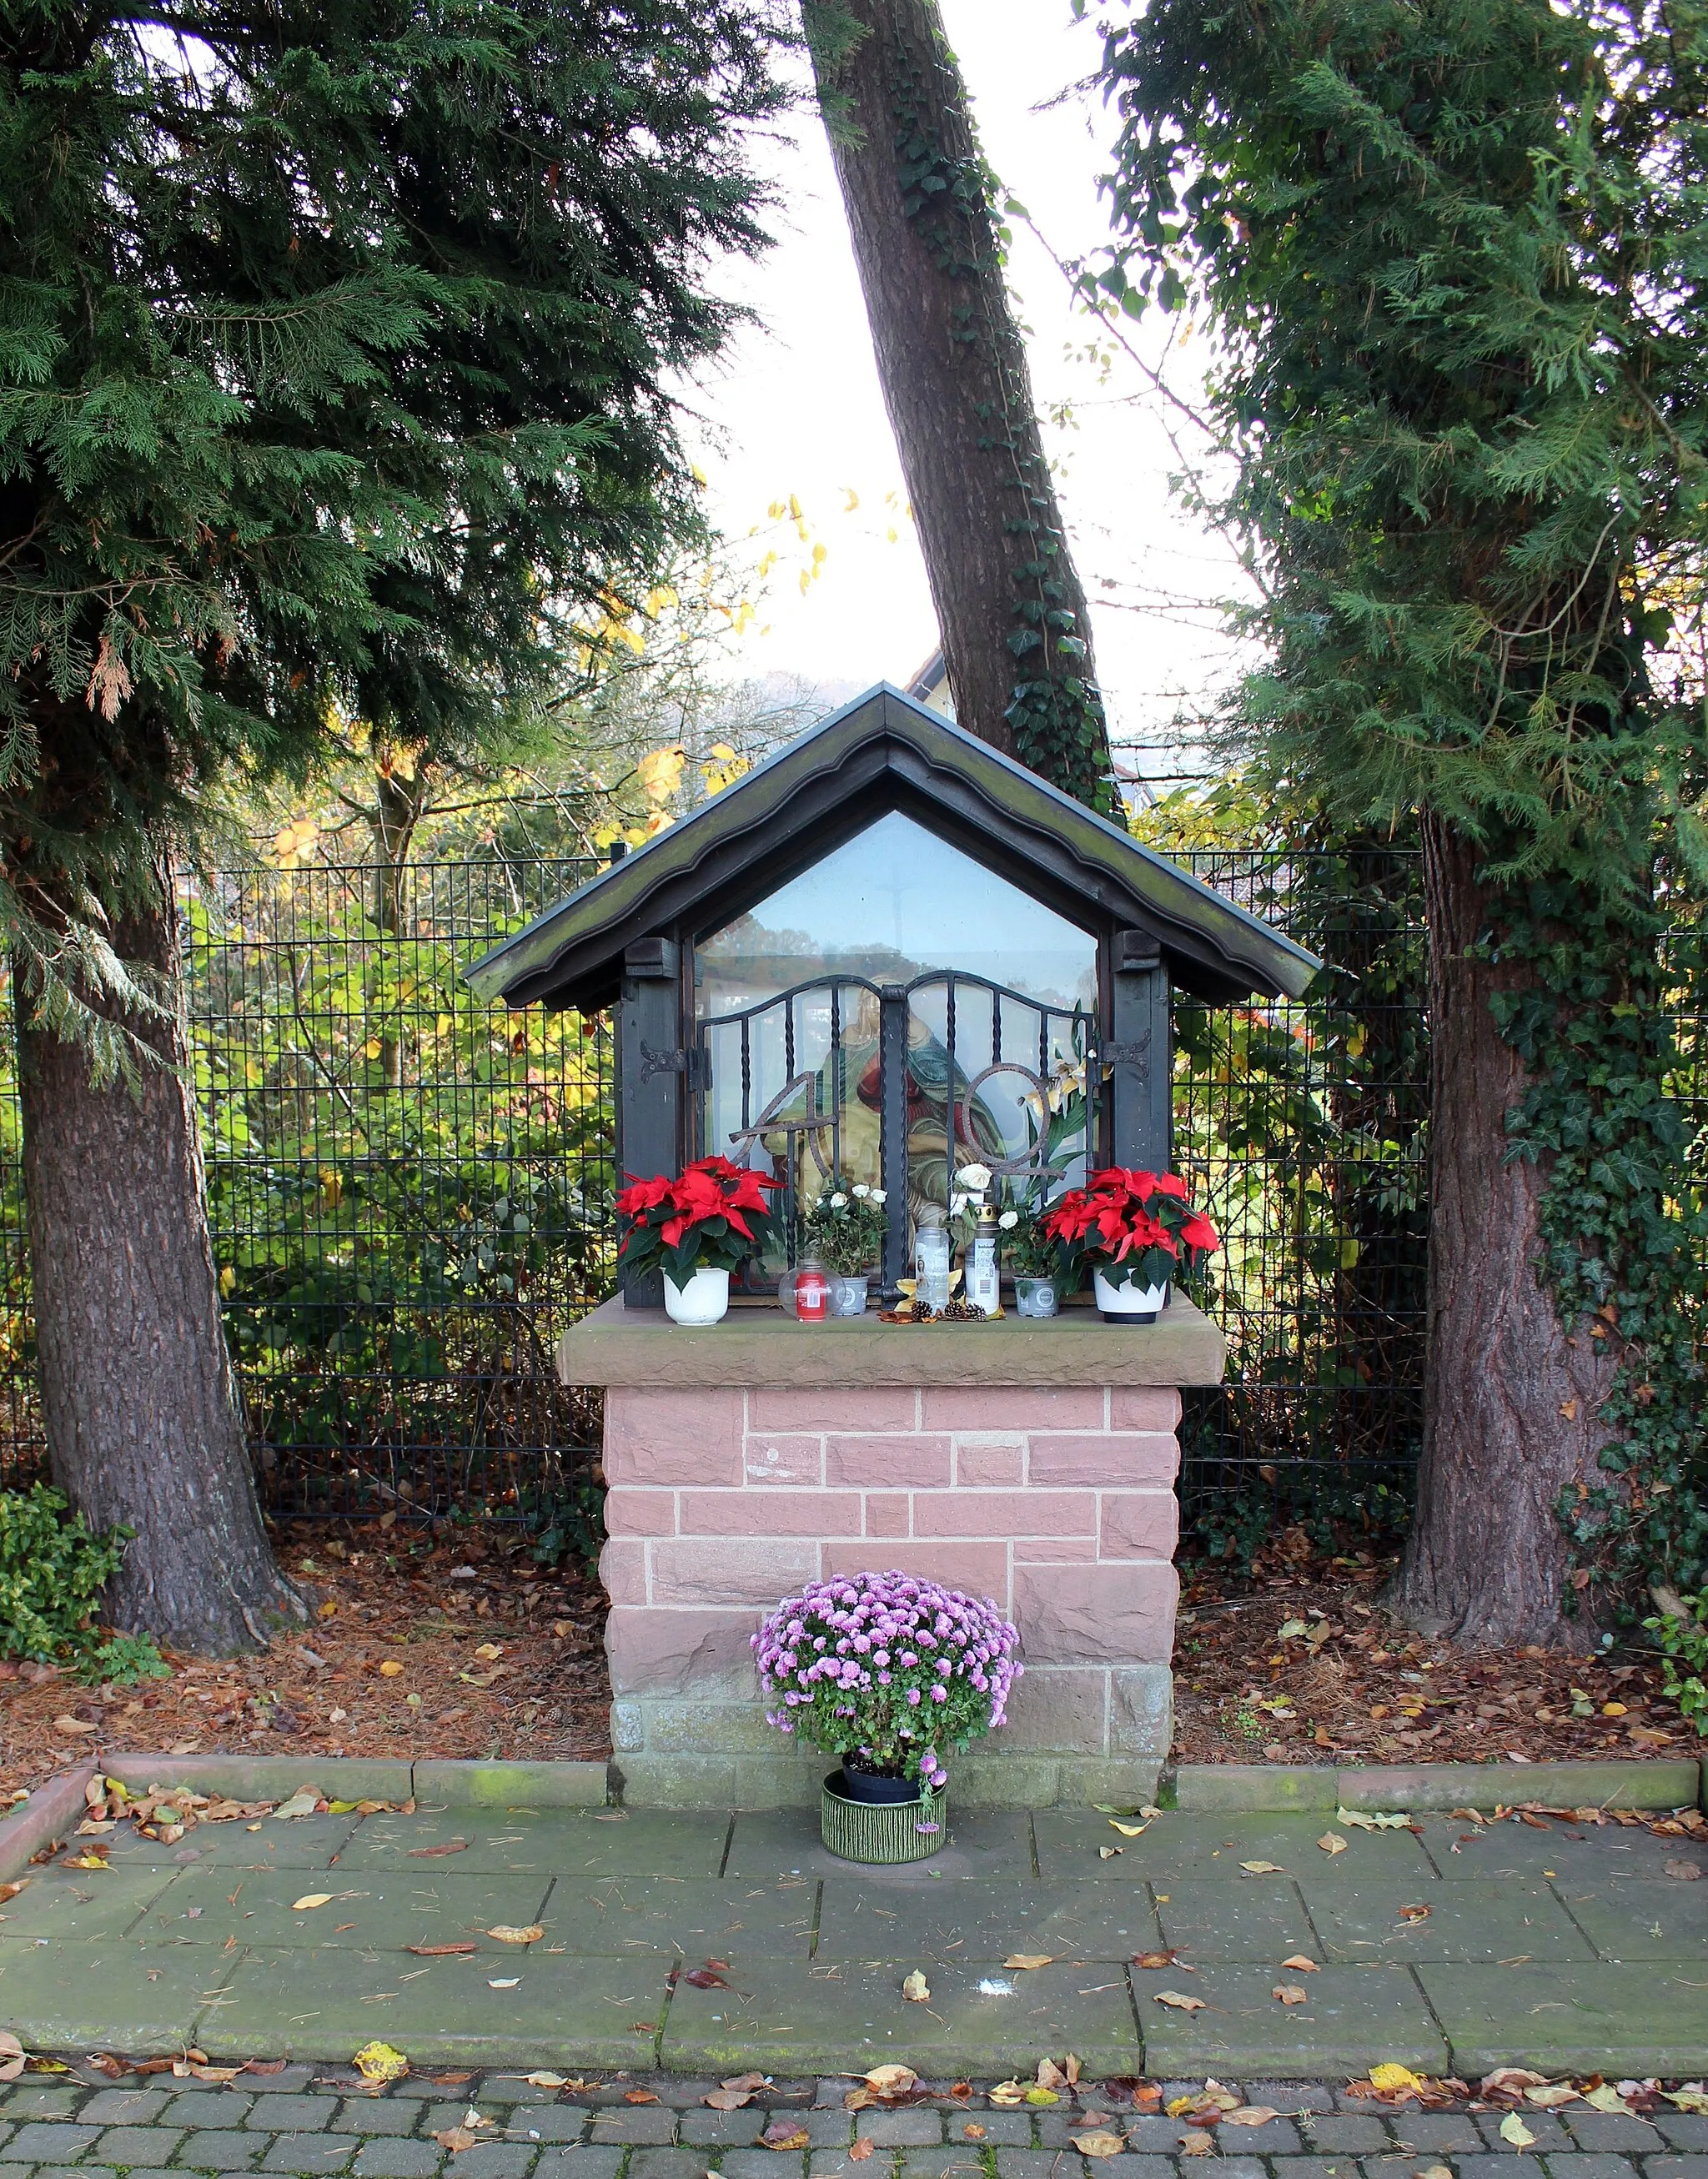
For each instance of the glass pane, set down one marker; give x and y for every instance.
(887, 906)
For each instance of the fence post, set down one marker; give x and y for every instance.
(1138, 1054)
(651, 1082)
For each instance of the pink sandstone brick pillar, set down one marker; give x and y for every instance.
(1058, 1502)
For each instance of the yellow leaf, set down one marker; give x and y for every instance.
(1128, 1830)
(506, 1933)
(1263, 1869)
(660, 773)
(1176, 2000)
(1606, 2098)
(1391, 2076)
(379, 2061)
(916, 1989)
(1028, 1960)
(310, 1899)
(795, 506)
(490, 1651)
(1366, 1819)
(1513, 2130)
(1036, 2095)
(1252, 2115)
(892, 2080)
(1099, 2145)
(391, 1670)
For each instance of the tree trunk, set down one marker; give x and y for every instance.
(143, 1420)
(1509, 1401)
(1016, 634)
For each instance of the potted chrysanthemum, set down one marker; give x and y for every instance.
(696, 1229)
(887, 1672)
(1134, 1230)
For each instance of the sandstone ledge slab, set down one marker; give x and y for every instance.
(1638, 1784)
(493, 1785)
(619, 1346)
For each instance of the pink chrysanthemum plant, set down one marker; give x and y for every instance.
(889, 1669)
(1134, 1226)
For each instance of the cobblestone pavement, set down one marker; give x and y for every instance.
(309, 2120)
(702, 1944)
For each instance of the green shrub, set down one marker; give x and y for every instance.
(51, 1573)
(1682, 1640)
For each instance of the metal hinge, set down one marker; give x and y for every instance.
(693, 1063)
(1125, 1055)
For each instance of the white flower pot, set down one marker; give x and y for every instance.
(1135, 1303)
(703, 1300)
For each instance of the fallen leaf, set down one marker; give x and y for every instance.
(11, 1891)
(1331, 1844)
(1042, 2097)
(1514, 2079)
(1099, 2145)
(86, 1861)
(1289, 1993)
(1027, 1960)
(1252, 2115)
(1552, 2094)
(1366, 1819)
(439, 1951)
(972, 2132)
(1263, 1869)
(379, 2061)
(1178, 2002)
(727, 2099)
(861, 2149)
(11, 2056)
(456, 2138)
(892, 2080)
(303, 1802)
(1385, 2079)
(639, 2096)
(706, 1977)
(1051, 2075)
(1109, 1853)
(1128, 1830)
(506, 1933)
(745, 2080)
(1688, 2100)
(431, 1852)
(1687, 1872)
(1006, 2094)
(1606, 2098)
(1513, 2130)
(916, 1989)
(310, 1899)
(391, 1670)
(73, 1725)
(1300, 1965)
(1415, 1914)
(1196, 2142)
(490, 1651)
(534, 2080)
(784, 2134)
(1153, 1959)
(1435, 2171)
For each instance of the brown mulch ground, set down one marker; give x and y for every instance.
(1352, 1682)
(394, 1663)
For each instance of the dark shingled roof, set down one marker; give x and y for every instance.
(880, 753)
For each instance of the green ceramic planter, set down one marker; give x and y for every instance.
(882, 1832)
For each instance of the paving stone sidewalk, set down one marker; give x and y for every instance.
(1451, 1947)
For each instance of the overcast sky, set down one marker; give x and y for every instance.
(796, 409)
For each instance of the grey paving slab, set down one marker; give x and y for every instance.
(55, 2138)
(138, 2144)
(1219, 1917)
(618, 1916)
(1495, 1919)
(770, 1843)
(391, 1909)
(989, 1921)
(306, 2154)
(219, 2149)
(1568, 1852)
(1615, 2020)
(1634, 1919)
(579, 2164)
(392, 2158)
(437, 2009)
(68, 1996)
(600, 1842)
(838, 2017)
(302, 1842)
(1215, 1842)
(83, 1904)
(1351, 2014)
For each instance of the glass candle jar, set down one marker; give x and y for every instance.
(931, 1258)
(805, 1292)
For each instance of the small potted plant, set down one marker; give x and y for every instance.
(886, 1672)
(1133, 1230)
(1035, 1261)
(696, 1229)
(845, 1231)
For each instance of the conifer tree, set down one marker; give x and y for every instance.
(334, 344)
(1451, 253)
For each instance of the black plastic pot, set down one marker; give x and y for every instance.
(875, 1788)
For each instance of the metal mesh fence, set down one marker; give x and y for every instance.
(410, 1194)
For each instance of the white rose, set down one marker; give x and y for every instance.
(875, 1194)
(1009, 1221)
(838, 1202)
(975, 1178)
(861, 1190)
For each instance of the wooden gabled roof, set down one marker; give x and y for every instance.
(885, 752)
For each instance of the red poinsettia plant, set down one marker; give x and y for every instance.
(713, 1216)
(1137, 1229)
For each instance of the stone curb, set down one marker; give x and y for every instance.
(52, 1811)
(483, 1784)
(1275, 1788)
(495, 1784)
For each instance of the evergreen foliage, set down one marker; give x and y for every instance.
(1454, 257)
(334, 354)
